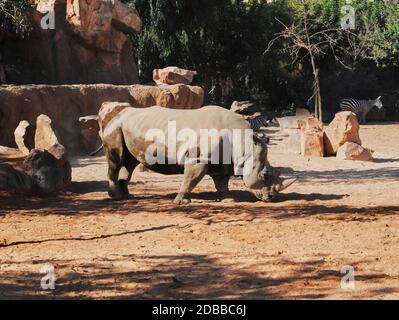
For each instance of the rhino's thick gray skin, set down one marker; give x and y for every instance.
(125, 145)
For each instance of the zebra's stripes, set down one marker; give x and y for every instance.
(258, 122)
(360, 107)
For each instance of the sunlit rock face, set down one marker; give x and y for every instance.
(71, 42)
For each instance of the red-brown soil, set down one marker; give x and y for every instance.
(339, 213)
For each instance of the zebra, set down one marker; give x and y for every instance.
(360, 107)
(258, 122)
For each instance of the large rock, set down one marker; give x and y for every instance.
(59, 152)
(90, 131)
(302, 113)
(7, 152)
(344, 128)
(243, 107)
(89, 44)
(312, 144)
(173, 75)
(45, 136)
(353, 151)
(50, 174)
(102, 24)
(293, 122)
(66, 104)
(43, 172)
(25, 137)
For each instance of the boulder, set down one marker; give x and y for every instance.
(59, 152)
(45, 136)
(312, 141)
(243, 107)
(353, 151)
(7, 152)
(173, 75)
(183, 97)
(344, 128)
(126, 18)
(102, 24)
(310, 124)
(90, 131)
(302, 113)
(25, 137)
(50, 174)
(288, 122)
(312, 144)
(293, 122)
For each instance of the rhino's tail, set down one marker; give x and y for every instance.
(97, 151)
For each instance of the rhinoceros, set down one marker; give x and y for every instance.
(127, 142)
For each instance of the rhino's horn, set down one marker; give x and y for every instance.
(285, 184)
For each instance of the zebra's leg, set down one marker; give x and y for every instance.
(364, 114)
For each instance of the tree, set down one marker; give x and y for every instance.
(222, 39)
(13, 16)
(309, 37)
(378, 27)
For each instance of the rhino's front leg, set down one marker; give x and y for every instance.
(114, 188)
(114, 155)
(193, 174)
(125, 174)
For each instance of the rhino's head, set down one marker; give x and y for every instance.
(263, 180)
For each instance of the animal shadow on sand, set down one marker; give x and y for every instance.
(246, 196)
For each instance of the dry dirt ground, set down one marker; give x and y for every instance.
(339, 213)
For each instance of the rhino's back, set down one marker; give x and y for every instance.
(138, 125)
(208, 117)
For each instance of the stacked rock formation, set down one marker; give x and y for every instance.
(173, 75)
(46, 169)
(340, 138)
(312, 144)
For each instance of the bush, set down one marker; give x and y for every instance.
(13, 17)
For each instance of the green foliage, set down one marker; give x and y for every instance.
(378, 25)
(224, 40)
(13, 16)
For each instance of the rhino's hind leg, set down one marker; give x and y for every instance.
(222, 186)
(126, 172)
(114, 166)
(193, 174)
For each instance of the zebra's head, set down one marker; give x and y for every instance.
(378, 102)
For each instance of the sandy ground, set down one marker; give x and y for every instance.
(339, 213)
